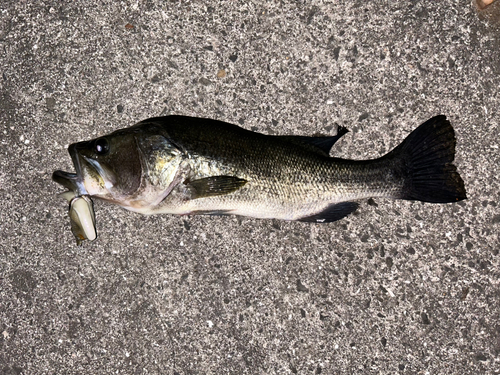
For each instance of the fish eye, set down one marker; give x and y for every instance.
(101, 146)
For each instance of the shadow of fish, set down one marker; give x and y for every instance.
(185, 165)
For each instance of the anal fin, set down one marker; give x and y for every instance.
(333, 212)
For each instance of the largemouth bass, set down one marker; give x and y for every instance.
(185, 165)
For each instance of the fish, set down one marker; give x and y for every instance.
(187, 165)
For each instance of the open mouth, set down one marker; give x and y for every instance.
(81, 210)
(71, 181)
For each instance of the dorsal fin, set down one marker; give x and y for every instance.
(321, 145)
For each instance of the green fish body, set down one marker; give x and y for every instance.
(185, 165)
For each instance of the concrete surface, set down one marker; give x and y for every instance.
(399, 287)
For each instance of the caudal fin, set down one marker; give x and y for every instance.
(427, 155)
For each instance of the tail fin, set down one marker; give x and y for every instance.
(427, 155)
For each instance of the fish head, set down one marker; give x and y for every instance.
(131, 167)
(107, 168)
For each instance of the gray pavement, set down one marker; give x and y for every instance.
(399, 287)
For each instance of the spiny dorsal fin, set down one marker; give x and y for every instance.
(213, 186)
(322, 145)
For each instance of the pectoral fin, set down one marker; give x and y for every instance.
(213, 186)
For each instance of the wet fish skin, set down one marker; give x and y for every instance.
(186, 165)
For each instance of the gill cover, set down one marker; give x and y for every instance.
(160, 160)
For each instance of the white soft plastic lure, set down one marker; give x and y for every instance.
(81, 214)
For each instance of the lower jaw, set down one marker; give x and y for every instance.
(71, 181)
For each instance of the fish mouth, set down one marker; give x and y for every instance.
(72, 181)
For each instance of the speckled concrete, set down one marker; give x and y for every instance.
(399, 287)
